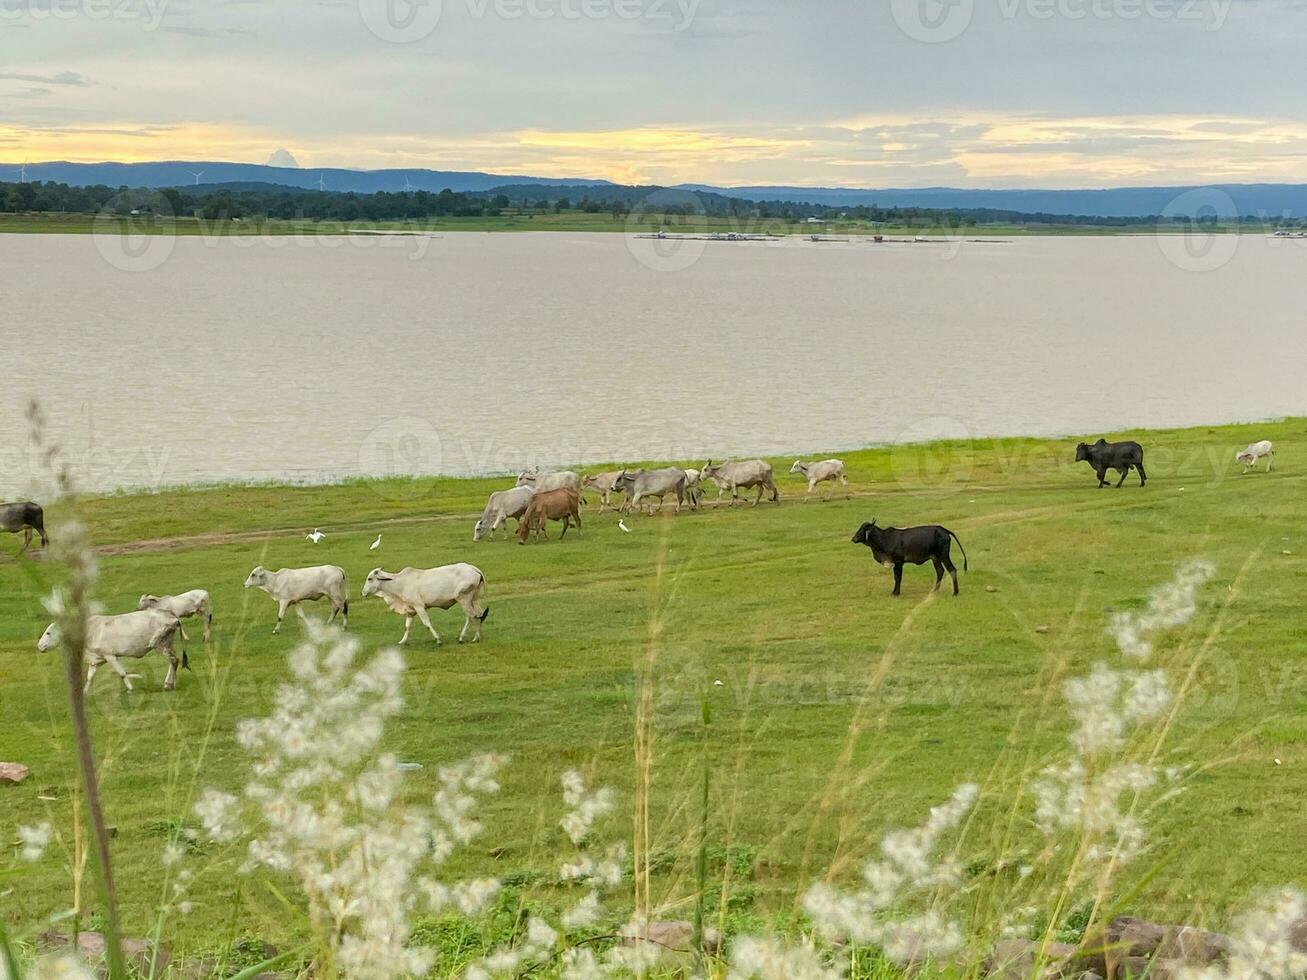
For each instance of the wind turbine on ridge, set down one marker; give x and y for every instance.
(22, 172)
(322, 184)
(197, 174)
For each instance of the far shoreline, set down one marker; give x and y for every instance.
(51, 223)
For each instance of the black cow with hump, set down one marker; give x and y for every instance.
(894, 547)
(1119, 456)
(25, 517)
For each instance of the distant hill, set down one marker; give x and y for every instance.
(1120, 202)
(1272, 200)
(180, 173)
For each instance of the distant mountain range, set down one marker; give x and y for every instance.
(179, 173)
(1273, 200)
(1226, 200)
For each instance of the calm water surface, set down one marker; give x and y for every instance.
(317, 359)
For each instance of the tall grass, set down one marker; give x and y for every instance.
(1033, 847)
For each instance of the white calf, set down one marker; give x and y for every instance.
(502, 505)
(827, 471)
(290, 586)
(184, 606)
(692, 488)
(1256, 451)
(412, 591)
(132, 634)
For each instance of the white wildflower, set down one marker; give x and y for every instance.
(172, 853)
(328, 809)
(473, 897)
(766, 958)
(1262, 946)
(638, 959)
(586, 806)
(582, 964)
(539, 933)
(34, 841)
(60, 966)
(56, 603)
(1169, 606)
(583, 913)
(909, 864)
(1107, 703)
(217, 813)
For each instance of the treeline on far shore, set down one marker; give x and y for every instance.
(270, 201)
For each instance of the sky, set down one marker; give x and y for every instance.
(840, 93)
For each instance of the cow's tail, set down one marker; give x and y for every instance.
(965, 568)
(169, 633)
(481, 588)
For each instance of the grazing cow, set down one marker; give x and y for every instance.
(742, 476)
(550, 505)
(1119, 456)
(412, 591)
(290, 586)
(1256, 451)
(502, 505)
(562, 480)
(193, 603)
(605, 484)
(895, 546)
(132, 634)
(827, 471)
(26, 517)
(639, 484)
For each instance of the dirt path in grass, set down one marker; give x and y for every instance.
(219, 538)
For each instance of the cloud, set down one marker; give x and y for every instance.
(60, 78)
(282, 158)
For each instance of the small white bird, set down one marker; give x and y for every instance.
(376, 544)
(718, 684)
(622, 525)
(315, 537)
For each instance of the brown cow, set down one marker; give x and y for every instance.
(563, 505)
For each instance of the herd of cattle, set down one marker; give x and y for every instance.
(542, 497)
(536, 499)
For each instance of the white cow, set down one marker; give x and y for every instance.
(502, 505)
(1256, 451)
(540, 482)
(827, 471)
(184, 606)
(294, 585)
(742, 476)
(605, 484)
(412, 591)
(653, 484)
(132, 634)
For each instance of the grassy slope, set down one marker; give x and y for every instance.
(572, 221)
(777, 604)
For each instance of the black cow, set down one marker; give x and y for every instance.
(1119, 456)
(26, 517)
(895, 546)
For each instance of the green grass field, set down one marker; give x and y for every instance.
(842, 711)
(568, 221)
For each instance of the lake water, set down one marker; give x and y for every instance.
(202, 360)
